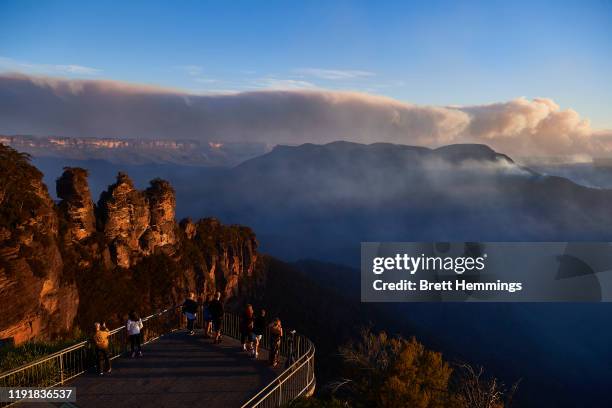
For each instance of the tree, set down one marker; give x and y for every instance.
(478, 391)
(391, 372)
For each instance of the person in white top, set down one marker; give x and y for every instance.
(134, 326)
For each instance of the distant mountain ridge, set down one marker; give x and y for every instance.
(136, 151)
(325, 199)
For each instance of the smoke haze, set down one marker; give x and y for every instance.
(98, 108)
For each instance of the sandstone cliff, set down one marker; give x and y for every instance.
(34, 297)
(161, 231)
(124, 217)
(76, 206)
(68, 264)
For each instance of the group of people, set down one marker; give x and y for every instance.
(133, 326)
(252, 330)
(213, 315)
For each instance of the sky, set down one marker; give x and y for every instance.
(430, 53)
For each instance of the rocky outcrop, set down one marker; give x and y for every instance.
(137, 223)
(35, 299)
(188, 228)
(76, 262)
(161, 232)
(124, 217)
(76, 204)
(230, 255)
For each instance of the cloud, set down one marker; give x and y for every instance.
(9, 64)
(191, 70)
(196, 72)
(288, 112)
(282, 84)
(75, 69)
(334, 74)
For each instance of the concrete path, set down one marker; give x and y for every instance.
(177, 370)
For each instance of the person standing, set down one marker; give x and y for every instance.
(247, 324)
(207, 318)
(100, 340)
(134, 326)
(190, 309)
(259, 329)
(216, 314)
(276, 333)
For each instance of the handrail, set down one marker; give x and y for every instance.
(298, 380)
(70, 362)
(63, 365)
(68, 349)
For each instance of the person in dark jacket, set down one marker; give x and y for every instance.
(247, 324)
(216, 313)
(207, 318)
(259, 329)
(190, 309)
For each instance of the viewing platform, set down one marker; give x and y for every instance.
(176, 370)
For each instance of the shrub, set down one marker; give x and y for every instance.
(389, 371)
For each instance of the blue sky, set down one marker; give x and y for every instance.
(435, 52)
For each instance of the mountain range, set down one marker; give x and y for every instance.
(136, 151)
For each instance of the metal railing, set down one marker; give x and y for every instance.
(297, 380)
(57, 368)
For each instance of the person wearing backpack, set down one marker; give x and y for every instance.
(134, 326)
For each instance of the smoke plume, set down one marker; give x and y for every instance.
(96, 108)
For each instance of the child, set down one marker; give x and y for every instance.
(134, 326)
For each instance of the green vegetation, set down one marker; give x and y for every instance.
(383, 371)
(15, 356)
(16, 202)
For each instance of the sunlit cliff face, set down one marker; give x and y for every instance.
(520, 127)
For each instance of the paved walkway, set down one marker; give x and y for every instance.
(177, 371)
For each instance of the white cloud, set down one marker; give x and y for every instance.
(203, 80)
(9, 64)
(191, 70)
(334, 74)
(76, 69)
(282, 84)
(196, 72)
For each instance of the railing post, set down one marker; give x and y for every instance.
(61, 359)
